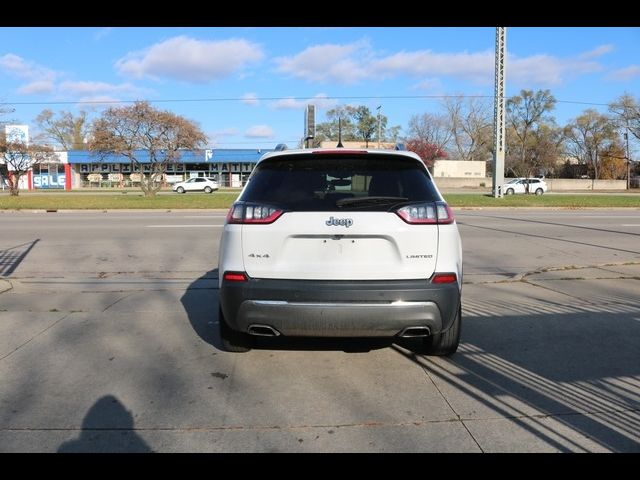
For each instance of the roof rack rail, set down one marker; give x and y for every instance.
(280, 147)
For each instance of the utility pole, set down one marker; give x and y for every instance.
(626, 138)
(379, 107)
(499, 112)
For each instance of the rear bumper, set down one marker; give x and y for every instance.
(339, 308)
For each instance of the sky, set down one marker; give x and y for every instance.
(247, 87)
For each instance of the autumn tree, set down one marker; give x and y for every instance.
(471, 124)
(613, 162)
(367, 124)
(428, 152)
(19, 157)
(589, 136)
(65, 129)
(530, 123)
(342, 116)
(139, 132)
(357, 123)
(431, 129)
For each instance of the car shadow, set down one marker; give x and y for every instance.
(200, 302)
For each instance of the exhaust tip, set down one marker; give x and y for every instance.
(263, 330)
(412, 332)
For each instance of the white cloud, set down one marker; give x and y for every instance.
(36, 87)
(321, 100)
(259, 131)
(625, 74)
(99, 100)
(597, 52)
(25, 69)
(96, 88)
(250, 99)
(191, 60)
(470, 66)
(355, 62)
(327, 63)
(428, 84)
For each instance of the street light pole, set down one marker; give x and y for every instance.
(379, 107)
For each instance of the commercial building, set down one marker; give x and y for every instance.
(78, 169)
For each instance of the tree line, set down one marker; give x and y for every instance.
(463, 130)
(535, 143)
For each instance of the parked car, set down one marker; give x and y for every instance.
(519, 185)
(203, 184)
(341, 243)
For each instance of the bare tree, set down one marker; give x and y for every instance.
(65, 130)
(20, 157)
(471, 124)
(627, 112)
(589, 136)
(138, 128)
(527, 114)
(431, 129)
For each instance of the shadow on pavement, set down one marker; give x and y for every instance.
(107, 428)
(575, 369)
(11, 258)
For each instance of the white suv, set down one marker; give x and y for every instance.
(340, 243)
(525, 185)
(196, 184)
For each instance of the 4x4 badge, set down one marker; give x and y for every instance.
(339, 222)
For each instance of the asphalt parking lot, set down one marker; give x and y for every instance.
(108, 343)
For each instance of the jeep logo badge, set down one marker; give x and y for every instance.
(339, 222)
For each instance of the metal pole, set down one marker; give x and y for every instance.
(626, 137)
(380, 106)
(499, 112)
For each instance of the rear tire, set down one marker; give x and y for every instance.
(445, 343)
(232, 340)
(539, 191)
(207, 190)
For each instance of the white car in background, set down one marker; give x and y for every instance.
(519, 185)
(198, 184)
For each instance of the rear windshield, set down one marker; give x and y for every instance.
(339, 182)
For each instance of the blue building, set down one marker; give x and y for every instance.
(230, 166)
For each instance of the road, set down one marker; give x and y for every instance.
(108, 343)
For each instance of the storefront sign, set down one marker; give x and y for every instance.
(43, 180)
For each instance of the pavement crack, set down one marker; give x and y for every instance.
(35, 336)
(458, 417)
(118, 300)
(6, 289)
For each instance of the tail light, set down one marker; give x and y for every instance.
(253, 213)
(426, 213)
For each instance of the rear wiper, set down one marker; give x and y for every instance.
(367, 201)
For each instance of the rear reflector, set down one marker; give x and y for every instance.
(444, 278)
(235, 276)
